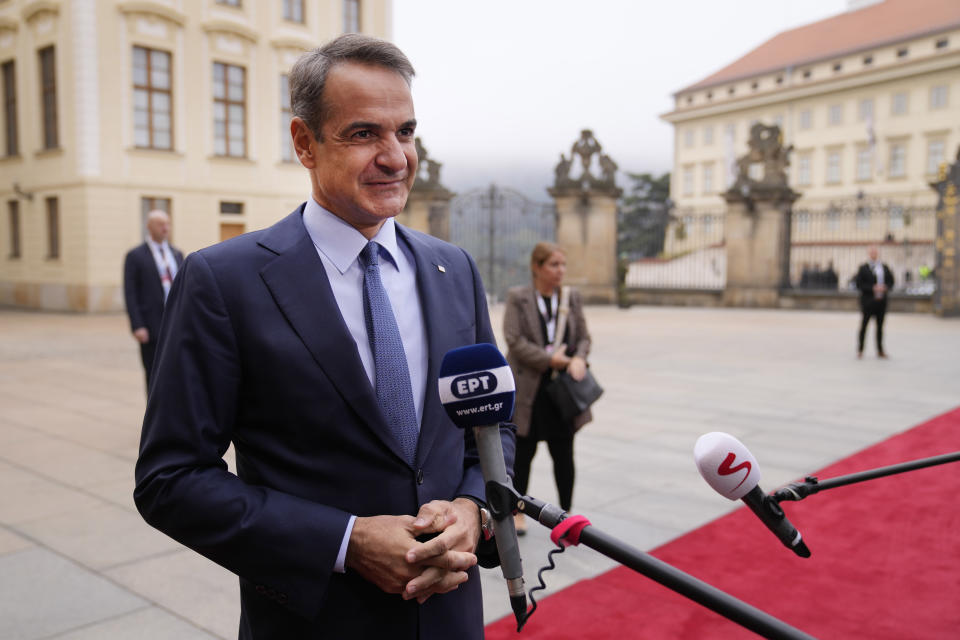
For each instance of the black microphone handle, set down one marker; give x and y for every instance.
(767, 509)
(492, 464)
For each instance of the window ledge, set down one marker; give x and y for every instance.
(44, 153)
(233, 159)
(14, 158)
(150, 151)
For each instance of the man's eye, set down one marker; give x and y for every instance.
(406, 132)
(363, 134)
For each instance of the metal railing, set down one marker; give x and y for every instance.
(694, 256)
(830, 243)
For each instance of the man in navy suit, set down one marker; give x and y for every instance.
(335, 529)
(148, 273)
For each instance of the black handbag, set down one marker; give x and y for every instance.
(572, 397)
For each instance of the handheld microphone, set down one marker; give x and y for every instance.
(729, 467)
(477, 390)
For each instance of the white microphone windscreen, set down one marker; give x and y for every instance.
(726, 464)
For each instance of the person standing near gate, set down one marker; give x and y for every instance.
(874, 280)
(148, 273)
(530, 324)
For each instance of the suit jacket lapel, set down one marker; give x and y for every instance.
(532, 313)
(299, 285)
(434, 289)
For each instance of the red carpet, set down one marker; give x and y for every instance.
(885, 562)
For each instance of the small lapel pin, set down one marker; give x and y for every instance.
(441, 268)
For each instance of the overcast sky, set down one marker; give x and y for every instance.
(504, 86)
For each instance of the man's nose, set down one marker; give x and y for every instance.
(392, 158)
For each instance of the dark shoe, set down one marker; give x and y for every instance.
(882, 355)
(859, 355)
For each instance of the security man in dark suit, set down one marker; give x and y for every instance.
(148, 273)
(874, 280)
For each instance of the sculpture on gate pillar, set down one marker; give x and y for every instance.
(585, 148)
(428, 206)
(586, 208)
(766, 150)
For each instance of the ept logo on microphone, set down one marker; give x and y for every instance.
(476, 386)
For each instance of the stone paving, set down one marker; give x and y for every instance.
(77, 562)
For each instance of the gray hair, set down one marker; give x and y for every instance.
(309, 74)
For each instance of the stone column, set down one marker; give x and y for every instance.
(757, 235)
(428, 207)
(946, 299)
(587, 221)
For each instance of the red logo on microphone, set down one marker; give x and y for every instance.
(725, 469)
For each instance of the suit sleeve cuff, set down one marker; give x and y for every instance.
(340, 565)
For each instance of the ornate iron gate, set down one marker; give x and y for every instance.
(499, 227)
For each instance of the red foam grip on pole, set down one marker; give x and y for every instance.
(568, 531)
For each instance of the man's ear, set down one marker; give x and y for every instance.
(304, 142)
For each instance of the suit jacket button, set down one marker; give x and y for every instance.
(419, 476)
(282, 598)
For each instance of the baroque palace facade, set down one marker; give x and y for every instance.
(112, 108)
(869, 100)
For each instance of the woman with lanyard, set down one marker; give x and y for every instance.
(533, 316)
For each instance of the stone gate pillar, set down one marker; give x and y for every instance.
(946, 298)
(757, 225)
(428, 207)
(587, 220)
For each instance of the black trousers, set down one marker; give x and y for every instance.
(561, 450)
(872, 309)
(147, 351)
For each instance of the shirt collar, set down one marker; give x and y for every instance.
(154, 245)
(340, 242)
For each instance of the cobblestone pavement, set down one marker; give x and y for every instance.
(77, 562)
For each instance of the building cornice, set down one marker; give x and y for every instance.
(233, 28)
(803, 62)
(153, 8)
(913, 68)
(292, 42)
(31, 9)
(7, 24)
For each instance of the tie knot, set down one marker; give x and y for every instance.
(370, 255)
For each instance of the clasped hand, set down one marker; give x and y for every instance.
(385, 549)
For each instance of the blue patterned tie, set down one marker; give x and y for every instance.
(392, 376)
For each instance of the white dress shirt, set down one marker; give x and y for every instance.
(339, 246)
(166, 265)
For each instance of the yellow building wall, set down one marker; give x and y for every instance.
(98, 174)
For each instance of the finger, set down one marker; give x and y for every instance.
(428, 522)
(421, 585)
(451, 561)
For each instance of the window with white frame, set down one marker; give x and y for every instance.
(935, 155)
(865, 110)
(229, 110)
(835, 114)
(708, 178)
(938, 97)
(806, 119)
(864, 163)
(898, 160)
(833, 166)
(803, 169)
(688, 138)
(708, 135)
(896, 217)
(688, 181)
(898, 103)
